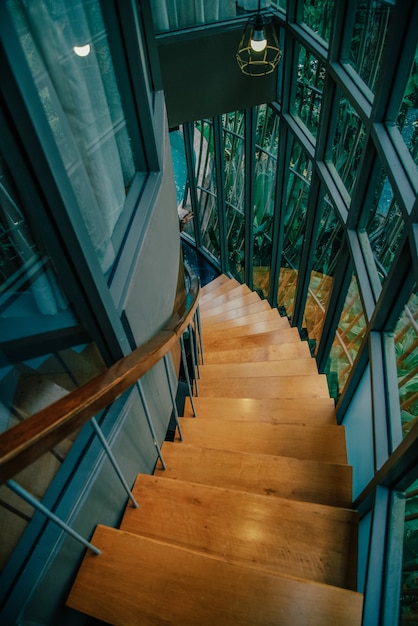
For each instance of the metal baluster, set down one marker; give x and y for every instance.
(112, 459)
(200, 334)
(150, 424)
(173, 398)
(193, 350)
(186, 371)
(196, 344)
(30, 499)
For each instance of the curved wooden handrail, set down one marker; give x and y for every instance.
(24, 443)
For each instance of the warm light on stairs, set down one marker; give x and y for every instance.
(251, 523)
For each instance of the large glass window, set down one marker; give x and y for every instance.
(234, 155)
(309, 88)
(348, 339)
(318, 16)
(176, 14)
(407, 120)
(328, 244)
(406, 347)
(298, 189)
(348, 143)
(368, 39)
(267, 140)
(67, 52)
(205, 173)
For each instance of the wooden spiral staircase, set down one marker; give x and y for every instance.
(252, 522)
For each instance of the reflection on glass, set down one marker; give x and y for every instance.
(348, 338)
(296, 204)
(267, 140)
(408, 114)
(348, 144)
(205, 172)
(317, 14)
(234, 172)
(385, 226)
(309, 89)
(368, 39)
(95, 148)
(328, 245)
(409, 582)
(406, 348)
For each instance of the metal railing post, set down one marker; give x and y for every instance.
(173, 398)
(199, 327)
(150, 424)
(186, 373)
(112, 459)
(30, 499)
(193, 354)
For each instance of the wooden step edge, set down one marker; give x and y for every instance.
(137, 575)
(243, 320)
(227, 290)
(274, 476)
(213, 284)
(224, 312)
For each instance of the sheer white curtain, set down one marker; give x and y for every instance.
(81, 100)
(173, 14)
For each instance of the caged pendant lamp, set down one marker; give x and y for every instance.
(258, 52)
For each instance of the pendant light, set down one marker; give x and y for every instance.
(258, 52)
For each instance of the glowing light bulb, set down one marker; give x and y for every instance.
(258, 40)
(82, 51)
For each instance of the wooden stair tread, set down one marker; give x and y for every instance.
(310, 386)
(303, 539)
(211, 326)
(291, 367)
(221, 287)
(225, 293)
(254, 328)
(300, 441)
(221, 340)
(275, 352)
(250, 303)
(276, 476)
(213, 284)
(137, 580)
(273, 410)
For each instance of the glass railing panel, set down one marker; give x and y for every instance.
(409, 582)
(406, 348)
(309, 89)
(318, 16)
(385, 226)
(267, 140)
(298, 190)
(348, 143)
(328, 245)
(233, 126)
(348, 339)
(408, 113)
(368, 39)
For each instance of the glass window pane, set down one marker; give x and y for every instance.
(317, 14)
(205, 172)
(385, 226)
(368, 39)
(234, 153)
(267, 140)
(328, 245)
(298, 189)
(309, 89)
(409, 586)
(408, 115)
(406, 347)
(348, 144)
(348, 338)
(68, 54)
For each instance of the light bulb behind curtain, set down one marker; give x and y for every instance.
(81, 101)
